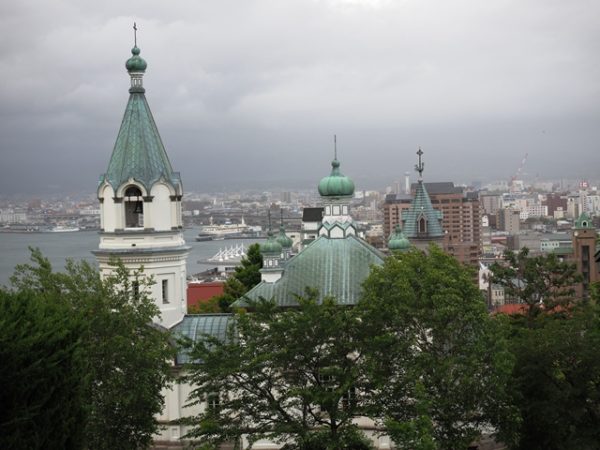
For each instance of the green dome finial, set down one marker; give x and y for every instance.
(136, 63)
(271, 246)
(398, 241)
(336, 184)
(283, 239)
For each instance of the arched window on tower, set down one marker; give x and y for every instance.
(134, 207)
(422, 225)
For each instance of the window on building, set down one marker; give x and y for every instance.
(135, 289)
(422, 225)
(165, 291)
(213, 403)
(134, 207)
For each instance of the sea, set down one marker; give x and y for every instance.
(78, 245)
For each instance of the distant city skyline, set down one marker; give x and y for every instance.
(249, 94)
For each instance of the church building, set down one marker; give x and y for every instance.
(140, 204)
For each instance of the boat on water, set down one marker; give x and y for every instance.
(63, 229)
(218, 232)
(202, 237)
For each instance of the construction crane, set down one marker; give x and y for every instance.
(512, 185)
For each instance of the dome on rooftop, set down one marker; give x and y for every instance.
(271, 246)
(283, 239)
(398, 241)
(336, 184)
(136, 63)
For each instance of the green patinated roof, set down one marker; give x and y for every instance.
(139, 152)
(336, 184)
(336, 267)
(284, 240)
(421, 206)
(195, 326)
(271, 245)
(136, 63)
(584, 221)
(398, 241)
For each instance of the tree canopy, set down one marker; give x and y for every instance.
(122, 358)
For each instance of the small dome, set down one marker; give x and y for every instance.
(336, 184)
(271, 246)
(283, 239)
(136, 63)
(398, 241)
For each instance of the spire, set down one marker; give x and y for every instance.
(271, 248)
(283, 238)
(421, 166)
(139, 152)
(336, 184)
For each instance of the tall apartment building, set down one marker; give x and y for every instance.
(461, 217)
(508, 219)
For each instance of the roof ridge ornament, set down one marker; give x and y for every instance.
(134, 34)
(421, 166)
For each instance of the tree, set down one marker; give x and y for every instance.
(538, 282)
(290, 375)
(439, 365)
(245, 277)
(556, 379)
(124, 357)
(41, 373)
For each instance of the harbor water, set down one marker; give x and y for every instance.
(78, 245)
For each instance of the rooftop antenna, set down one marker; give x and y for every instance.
(420, 167)
(334, 146)
(134, 34)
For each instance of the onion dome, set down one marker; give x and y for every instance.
(283, 239)
(336, 184)
(271, 246)
(136, 63)
(398, 241)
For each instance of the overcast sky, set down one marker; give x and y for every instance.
(247, 92)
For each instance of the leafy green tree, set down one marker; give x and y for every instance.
(439, 364)
(556, 379)
(245, 277)
(290, 375)
(41, 389)
(124, 357)
(538, 282)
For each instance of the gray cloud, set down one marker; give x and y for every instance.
(253, 90)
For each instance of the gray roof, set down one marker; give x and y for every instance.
(439, 187)
(196, 326)
(336, 267)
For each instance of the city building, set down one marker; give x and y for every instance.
(509, 220)
(140, 204)
(460, 217)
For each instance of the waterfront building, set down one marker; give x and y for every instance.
(140, 204)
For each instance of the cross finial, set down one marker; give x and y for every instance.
(281, 212)
(134, 34)
(269, 215)
(420, 167)
(334, 146)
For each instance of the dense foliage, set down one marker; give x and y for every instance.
(288, 375)
(419, 355)
(439, 364)
(556, 378)
(121, 357)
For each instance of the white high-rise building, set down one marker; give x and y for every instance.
(140, 204)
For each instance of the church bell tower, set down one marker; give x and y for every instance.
(140, 204)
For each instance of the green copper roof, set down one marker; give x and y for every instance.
(336, 267)
(195, 326)
(336, 184)
(584, 221)
(398, 241)
(283, 238)
(136, 63)
(271, 246)
(421, 208)
(139, 152)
